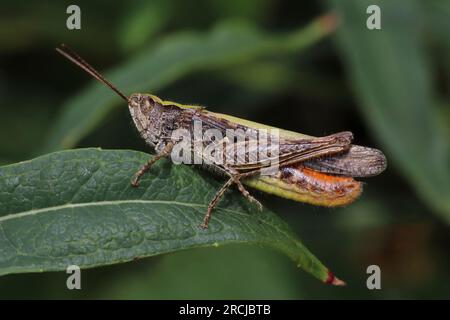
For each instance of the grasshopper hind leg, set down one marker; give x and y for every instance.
(247, 194)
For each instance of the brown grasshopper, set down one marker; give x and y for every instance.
(308, 169)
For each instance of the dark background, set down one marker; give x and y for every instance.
(390, 87)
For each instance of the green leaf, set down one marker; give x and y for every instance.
(391, 79)
(174, 57)
(143, 21)
(266, 275)
(78, 207)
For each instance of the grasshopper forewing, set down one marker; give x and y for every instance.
(315, 170)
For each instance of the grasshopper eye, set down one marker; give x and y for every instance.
(140, 103)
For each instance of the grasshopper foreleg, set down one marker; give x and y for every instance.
(164, 153)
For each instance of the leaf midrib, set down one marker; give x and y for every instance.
(100, 203)
(106, 203)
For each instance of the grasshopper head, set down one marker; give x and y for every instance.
(140, 106)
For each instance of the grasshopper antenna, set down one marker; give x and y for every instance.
(76, 59)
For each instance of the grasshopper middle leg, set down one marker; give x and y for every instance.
(214, 202)
(234, 178)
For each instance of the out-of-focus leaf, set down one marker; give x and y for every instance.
(22, 127)
(261, 76)
(182, 276)
(156, 67)
(78, 207)
(275, 77)
(437, 21)
(250, 9)
(143, 21)
(391, 80)
(42, 24)
(437, 13)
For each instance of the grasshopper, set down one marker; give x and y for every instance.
(316, 170)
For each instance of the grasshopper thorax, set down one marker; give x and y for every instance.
(154, 120)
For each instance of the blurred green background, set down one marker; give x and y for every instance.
(265, 60)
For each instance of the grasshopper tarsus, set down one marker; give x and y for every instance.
(135, 183)
(204, 225)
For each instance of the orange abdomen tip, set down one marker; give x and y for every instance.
(322, 188)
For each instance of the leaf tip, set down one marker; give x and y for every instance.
(333, 280)
(329, 22)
